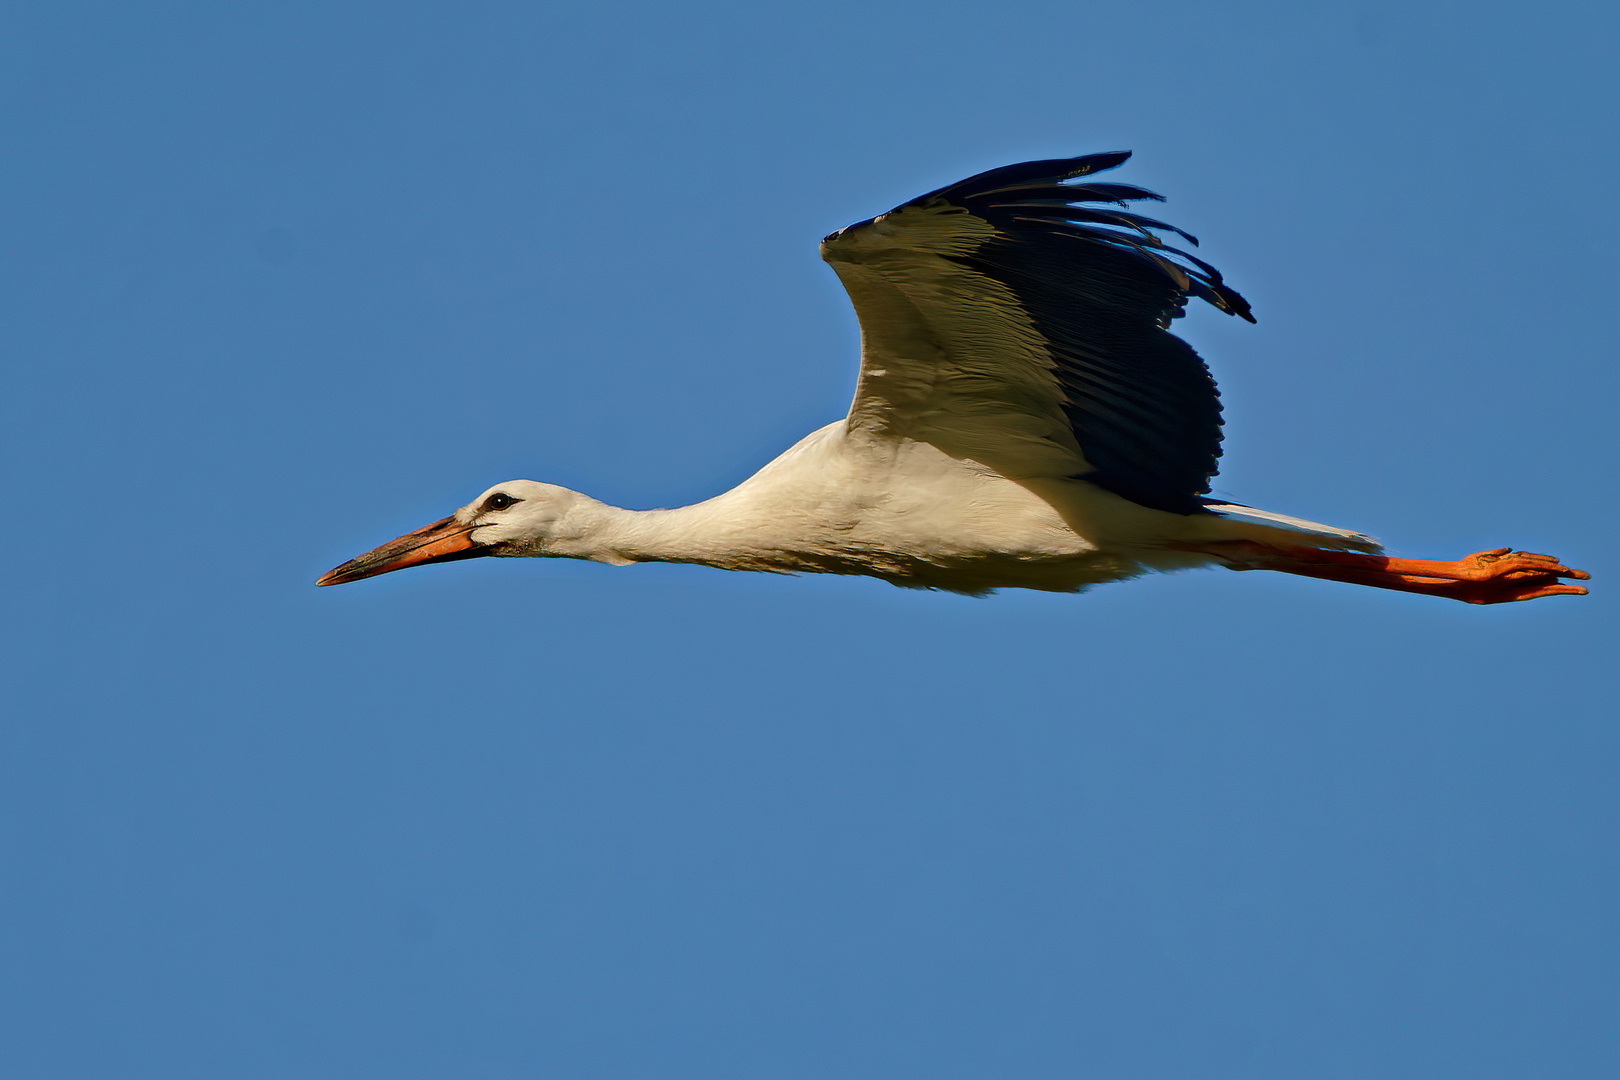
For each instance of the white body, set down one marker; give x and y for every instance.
(846, 503)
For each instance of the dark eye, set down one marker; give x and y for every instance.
(499, 501)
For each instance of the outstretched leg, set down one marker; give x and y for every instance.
(1499, 576)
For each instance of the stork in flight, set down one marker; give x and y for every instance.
(1024, 419)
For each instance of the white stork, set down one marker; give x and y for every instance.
(1024, 419)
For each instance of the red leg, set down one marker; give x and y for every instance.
(1499, 576)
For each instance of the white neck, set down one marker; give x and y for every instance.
(724, 532)
(794, 514)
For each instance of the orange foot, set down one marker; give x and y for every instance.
(1498, 576)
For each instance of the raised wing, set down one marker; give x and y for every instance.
(1005, 323)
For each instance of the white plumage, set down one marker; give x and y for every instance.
(1023, 418)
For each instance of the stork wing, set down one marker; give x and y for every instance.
(1007, 325)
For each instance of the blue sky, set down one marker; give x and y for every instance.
(283, 281)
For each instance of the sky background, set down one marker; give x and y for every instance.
(282, 281)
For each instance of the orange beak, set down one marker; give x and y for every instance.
(442, 541)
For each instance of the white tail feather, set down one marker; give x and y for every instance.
(1285, 529)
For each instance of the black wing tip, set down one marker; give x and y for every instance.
(1042, 181)
(1086, 164)
(1009, 189)
(1223, 297)
(1051, 170)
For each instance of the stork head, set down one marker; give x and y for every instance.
(516, 518)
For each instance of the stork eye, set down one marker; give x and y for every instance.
(499, 501)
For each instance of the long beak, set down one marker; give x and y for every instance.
(442, 541)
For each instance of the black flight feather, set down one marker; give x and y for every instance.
(1140, 401)
(1029, 172)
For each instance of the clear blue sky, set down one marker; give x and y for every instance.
(281, 281)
